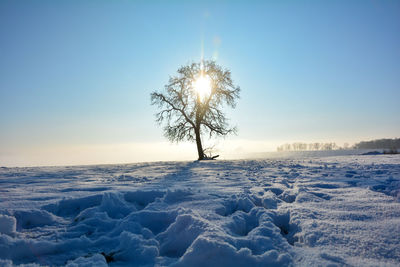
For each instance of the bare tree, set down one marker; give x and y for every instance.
(192, 103)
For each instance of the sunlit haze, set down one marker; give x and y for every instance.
(202, 85)
(76, 76)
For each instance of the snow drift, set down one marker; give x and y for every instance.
(312, 211)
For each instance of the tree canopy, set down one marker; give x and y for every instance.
(191, 105)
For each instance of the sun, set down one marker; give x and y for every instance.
(202, 86)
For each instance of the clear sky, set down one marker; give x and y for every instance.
(76, 76)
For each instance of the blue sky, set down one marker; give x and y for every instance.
(75, 76)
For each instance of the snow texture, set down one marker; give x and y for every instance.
(311, 211)
(7, 224)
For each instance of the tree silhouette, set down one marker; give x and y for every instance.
(189, 112)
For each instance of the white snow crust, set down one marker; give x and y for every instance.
(312, 211)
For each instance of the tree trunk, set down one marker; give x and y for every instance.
(199, 145)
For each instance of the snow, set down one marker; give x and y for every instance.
(95, 260)
(7, 224)
(310, 211)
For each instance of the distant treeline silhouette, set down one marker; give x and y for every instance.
(393, 144)
(379, 144)
(298, 146)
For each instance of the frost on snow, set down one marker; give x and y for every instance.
(297, 212)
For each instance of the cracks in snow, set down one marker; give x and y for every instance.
(288, 228)
(141, 199)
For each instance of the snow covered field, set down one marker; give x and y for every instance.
(329, 211)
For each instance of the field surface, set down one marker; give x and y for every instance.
(312, 211)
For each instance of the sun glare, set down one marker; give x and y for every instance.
(202, 86)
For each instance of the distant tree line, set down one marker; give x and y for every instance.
(391, 144)
(298, 146)
(379, 144)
